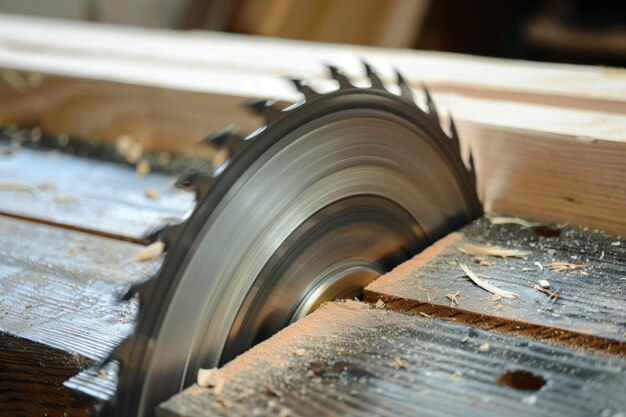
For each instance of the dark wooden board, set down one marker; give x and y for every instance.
(89, 194)
(339, 361)
(589, 310)
(58, 310)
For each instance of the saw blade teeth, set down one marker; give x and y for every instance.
(454, 135)
(405, 89)
(338, 75)
(432, 109)
(222, 138)
(303, 87)
(375, 80)
(266, 108)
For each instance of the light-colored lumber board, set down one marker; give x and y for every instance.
(58, 311)
(353, 359)
(532, 159)
(588, 310)
(87, 194)
(154, 56)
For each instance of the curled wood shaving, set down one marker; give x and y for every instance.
(454, 299)
(486, 286)
(565, 266)
(513, 220)
(476, 250)
(150, 252)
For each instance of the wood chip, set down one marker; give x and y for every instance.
(152, 193)
(544, 283)
(484, 347)
(616, 243)
(513, 220)
(565, 266)
(66, 198)
(73, 251)
(208, 377)
(552, 295)
(380, 303)
(150, 252)
(486, 286)
(484, 262)
(454, 299)
(19, 186)
(299, 352)
(143, 168)
(476, 250)
(398, 363)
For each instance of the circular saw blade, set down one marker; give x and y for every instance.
(329, 194)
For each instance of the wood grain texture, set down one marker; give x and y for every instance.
(588, 312)
(58, 311)
(88, 194)
(355, 360)
(173, 59)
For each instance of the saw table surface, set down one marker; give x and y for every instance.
(431, 341)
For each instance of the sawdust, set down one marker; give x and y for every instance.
(476, 250)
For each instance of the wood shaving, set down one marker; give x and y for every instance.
(484, 262)
(454, 299)
(398, 363)
(526, 269)
(486, 286)
(19, 186)
(457, 376)
(150, 252)
(424, 314)
(616, 243)
(208, 377)
(219, 386)
(538, 265)
(66, 198)
(484, 347)
(143, 168)
(565, 266)
(73, 251)
(544, 283)
(498, 307)
(476, 250)
(152, 193)
(552, 295)
(299, 352)
(514, 220)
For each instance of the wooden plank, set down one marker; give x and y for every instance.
(588, 311)
(58, 311)
(88, 194)
(353, 359)
(155, 56)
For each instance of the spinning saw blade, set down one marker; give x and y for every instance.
(329, 194)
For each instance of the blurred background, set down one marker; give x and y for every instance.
(576, 31)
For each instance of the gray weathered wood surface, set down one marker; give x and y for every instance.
(58, 312)
(589, 310)
(88, 194)
(351, 359)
